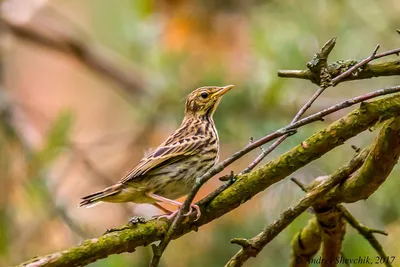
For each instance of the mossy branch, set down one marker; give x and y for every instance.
(246, 186)
(305, 244)
(333, 229)
(290, 214)
(370, 70)
(380, 162)
(381, 159)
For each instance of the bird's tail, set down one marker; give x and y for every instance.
(95, 198)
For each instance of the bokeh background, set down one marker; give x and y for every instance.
(67, 131)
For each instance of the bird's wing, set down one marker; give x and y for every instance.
(166, 154)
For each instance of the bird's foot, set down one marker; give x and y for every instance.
(193, 208)
(166, 216)
(137, 219)
(197, 209)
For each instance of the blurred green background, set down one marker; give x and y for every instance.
(66, 131)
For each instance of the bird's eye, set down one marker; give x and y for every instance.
(204, 94)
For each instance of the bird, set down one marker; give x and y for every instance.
(170, 171)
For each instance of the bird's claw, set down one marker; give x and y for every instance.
(196, 208)
(173, 214)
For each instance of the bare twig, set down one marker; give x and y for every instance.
(299, 184)
(288, 216)
(366, 232)
(272, 147)
(322, 58)
(324, 85)
(360, 64)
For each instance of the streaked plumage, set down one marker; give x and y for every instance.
(170, 171)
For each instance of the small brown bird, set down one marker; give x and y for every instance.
(170, 171)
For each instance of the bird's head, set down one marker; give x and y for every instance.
(203, 101)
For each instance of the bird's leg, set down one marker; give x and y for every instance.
(162, 208)
(175, 203)
(164, 199)
(167, 216)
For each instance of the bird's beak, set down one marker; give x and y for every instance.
(222, 90)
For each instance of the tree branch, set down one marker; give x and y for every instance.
(379, 164)
(246, 186)
(351, 69)
(366, 232)
(333, 229)
(319, 72)
(302, 260)
(318, 64)
(288, 216)
(370, 70)
(305, 244)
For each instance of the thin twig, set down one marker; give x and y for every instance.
(299, 184)
(388, 53)
(308, 104)
(177, 221)
(360, 64)
(366, 232)
(272, 147)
